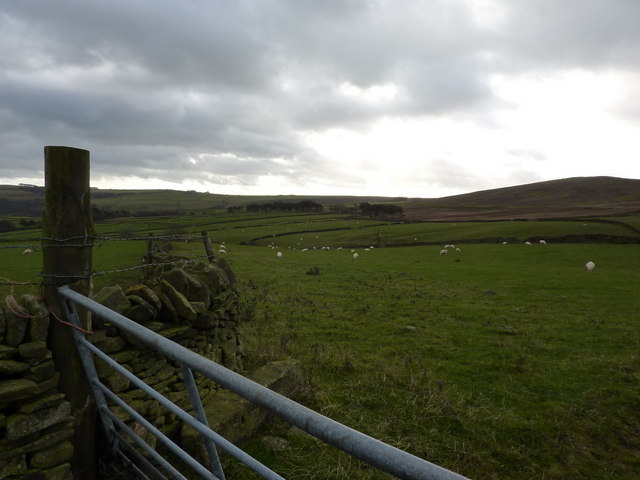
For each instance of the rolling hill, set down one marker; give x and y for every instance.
(566, 198)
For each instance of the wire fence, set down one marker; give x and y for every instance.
(149, 257)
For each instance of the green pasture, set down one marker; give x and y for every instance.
(500, 361)
(504, 361)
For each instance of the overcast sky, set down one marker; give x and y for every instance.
(423, 98)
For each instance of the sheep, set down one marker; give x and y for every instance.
(27, 251)
(279, 254)
(355, 256)
(505, 242)
(543, 242)
(528, 244)
(305, 250)
(444, 251)
(457, 250)
(222, 250)
(590, 265)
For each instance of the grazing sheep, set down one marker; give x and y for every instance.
(222, 250)
(505, 242)
(366, 249)
(355, 256)
(305, 250)
(27, 251)
(528, 244)
(279, 254)
(457, 250)
(444, 251)
(590, 266)
(542, 242)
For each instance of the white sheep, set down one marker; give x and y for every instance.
(457, 250)
(279, 254)
(27, 251)
(590, 265)
(444, 251)
(222, 250)
(355, 256)
(543, 242)
(305, 250)
(528, 244)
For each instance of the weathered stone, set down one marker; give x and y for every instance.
(39, 323)
(113, 298)
(198, 307)
(52, 456)
(13, 465)
(44, 402)
(235, 418)
(179, 301)
(116, 383)
(60, 472)
(42, 440)
(141, 311)
(126, 356)
(18, 389)
(230, 276)
(111, 344)
(11, 367)
(16, 328)
(33, 350)
(50, 383)
(154, 368)
(213, 277)
(38, 329)
(7, 352)
(20, 425)
(145, 293)
(168, 312)
(41, 372)
(154, 326)
(176, 333)
(36, 361)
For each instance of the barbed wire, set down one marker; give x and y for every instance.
(60, 243)
(186, 238)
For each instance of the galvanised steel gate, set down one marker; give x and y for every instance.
(368, 449)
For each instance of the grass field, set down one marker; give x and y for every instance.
(502, 361)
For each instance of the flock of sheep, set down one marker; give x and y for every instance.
(444, 251)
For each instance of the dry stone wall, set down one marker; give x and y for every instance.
(35, 421)
(193, 305)
(197, 307)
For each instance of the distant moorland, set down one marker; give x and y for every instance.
(566, 198)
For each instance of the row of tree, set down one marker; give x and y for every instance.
(380, 209)
(302, 206)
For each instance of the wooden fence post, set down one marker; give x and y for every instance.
(68, 235)
(207, 245)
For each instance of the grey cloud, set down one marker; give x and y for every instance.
(149, 84)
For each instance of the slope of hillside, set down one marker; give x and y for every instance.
(571, 197)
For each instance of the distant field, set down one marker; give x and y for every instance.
(501, 361)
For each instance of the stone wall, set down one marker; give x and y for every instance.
(197, 307)
(35, 421)
(193, 305)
